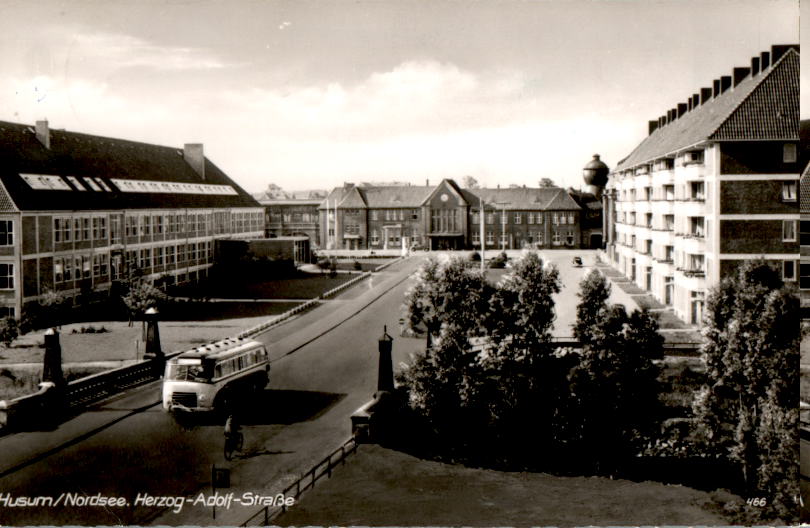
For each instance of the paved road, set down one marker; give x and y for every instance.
(324, 367)
(129, 446)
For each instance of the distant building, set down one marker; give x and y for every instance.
(78, 212)
(445, 216)
(292, 218)
(804, 211)
(714, 183)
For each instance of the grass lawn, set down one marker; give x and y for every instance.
(299, 286)
(379, 486)
(21, 381)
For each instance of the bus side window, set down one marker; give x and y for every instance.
(218, 371)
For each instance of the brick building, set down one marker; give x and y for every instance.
(713, 184)
(292, 217)
(78, 212)
(445, 216)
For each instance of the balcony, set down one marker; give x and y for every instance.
(690, 272)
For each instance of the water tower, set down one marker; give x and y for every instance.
(595, 174)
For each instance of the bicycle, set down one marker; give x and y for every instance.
(233, 444)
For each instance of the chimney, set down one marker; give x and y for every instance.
(651, 126)
(740, 74)
(705, 95)
(43, 133)
(193, 154)
(662, 121)
(765, 60)
(725, 83)
(716, 88)
(674, 114)
(682, 109)
(427, 182)
(754, 66)
(778, 50)
(695, 100)
(689, 102)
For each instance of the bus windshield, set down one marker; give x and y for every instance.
(187, 373)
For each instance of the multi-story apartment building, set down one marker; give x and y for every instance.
(78, 212)
(445, 216)
(713, 184)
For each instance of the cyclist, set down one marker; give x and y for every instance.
(231, 427)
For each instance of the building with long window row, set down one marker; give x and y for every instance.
(78, 212)
(715, 183)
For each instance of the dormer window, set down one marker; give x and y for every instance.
(789, 153)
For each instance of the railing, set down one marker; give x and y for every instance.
(304, 482)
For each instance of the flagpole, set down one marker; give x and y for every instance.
(481, 236)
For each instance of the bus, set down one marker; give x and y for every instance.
(210, 377)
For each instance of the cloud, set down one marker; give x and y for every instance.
(128, 51)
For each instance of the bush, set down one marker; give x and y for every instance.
(8, 330)
(499, 262)
(357, 265)
(475, 256)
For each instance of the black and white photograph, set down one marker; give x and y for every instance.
(404, 263)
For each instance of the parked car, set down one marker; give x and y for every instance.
(577, 262)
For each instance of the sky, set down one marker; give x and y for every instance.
(311, 94)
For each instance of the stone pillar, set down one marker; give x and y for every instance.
(52, 364)
(385, 379)
(152, 349)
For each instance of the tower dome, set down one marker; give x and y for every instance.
(595, 172)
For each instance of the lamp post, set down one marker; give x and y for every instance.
(481, 230)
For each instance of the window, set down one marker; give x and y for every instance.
(476, 238)
(490, 218)
(789, 191)
(6, 276)
(669, 222)
(530, 218)
(804, 276)
(415, 214)
(87, 269)
(789, 153)
(648, 219)
(648, 193)
(170, 255)
(115, 267)
(696, 191)
(789, 270)
(695, 262)
(387, 215)
(648, 246)
(696, 226)
(58, 270)
(374, 215)
(555, 219)
(555, 239)
(669, 192)
(158, 256)
(145, 258)
(375, 237)
(77, 229)
(571, 218)
(86, 229)
(476, 217)
(669, 252)
(99, 265)
(540, 218)
(518, 218)
(157, 221)
(6, 233)
(788, 230)
(490, 238)
(804, 233)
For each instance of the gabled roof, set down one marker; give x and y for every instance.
(95, 163)
(760, 107)
(353, 200)
(522, 198)
(804, 191)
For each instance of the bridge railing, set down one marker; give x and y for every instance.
(304, 482)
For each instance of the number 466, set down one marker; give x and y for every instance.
(757, 501)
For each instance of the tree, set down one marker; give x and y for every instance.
(747, 410)
(470, 182)
(614, 385)
(141, 296)
(547, 182)
(594, 291)
(8, 330)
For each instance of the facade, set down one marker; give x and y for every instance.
(714, 183)
(292, 218)
(78, 212)
(445, 216)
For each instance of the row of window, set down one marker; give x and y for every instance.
(694, 190)
(245, 361)
(531, 218)
(89, 228)
(536, 237)
(78, 267)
